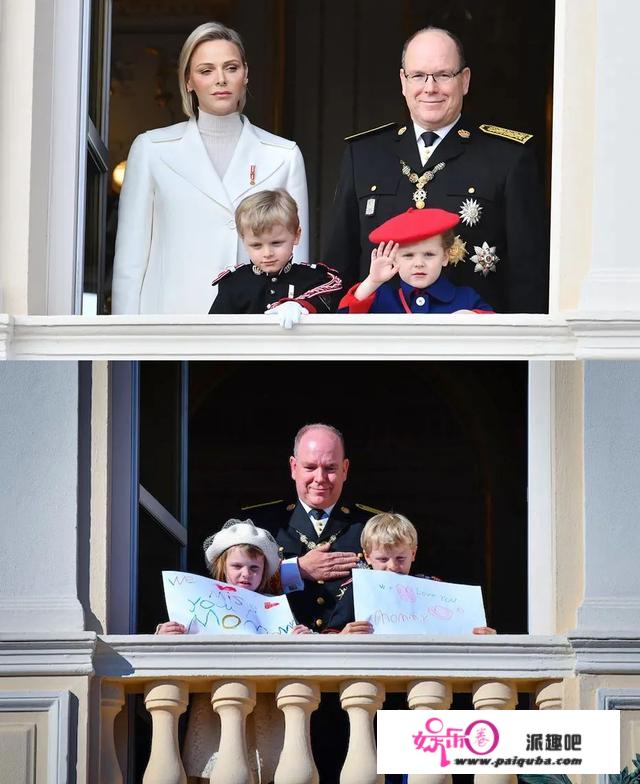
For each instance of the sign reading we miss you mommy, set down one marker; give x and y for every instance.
(207, 606)
(400, 604)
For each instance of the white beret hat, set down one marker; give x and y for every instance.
(235, 532)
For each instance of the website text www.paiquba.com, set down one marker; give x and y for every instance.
(520, 761)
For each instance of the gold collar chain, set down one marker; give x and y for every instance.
(420, 196)
(310, 545)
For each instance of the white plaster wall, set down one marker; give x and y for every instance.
(568, 467)
(613, 282)
(39, 497)
(574, 111)
(612, 496)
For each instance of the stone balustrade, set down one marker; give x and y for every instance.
(495, 672)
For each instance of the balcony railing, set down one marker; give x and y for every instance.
(233, 671)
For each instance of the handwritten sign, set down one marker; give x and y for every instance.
(208, 606)
(399, 604)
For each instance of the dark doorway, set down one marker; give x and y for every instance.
(444, 443)
(322, 70)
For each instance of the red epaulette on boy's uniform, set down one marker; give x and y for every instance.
(226, 272)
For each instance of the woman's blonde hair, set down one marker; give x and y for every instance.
(209, 31)
(388, 529)
(218, 568)
(262, 211)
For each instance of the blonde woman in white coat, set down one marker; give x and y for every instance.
(176, 228)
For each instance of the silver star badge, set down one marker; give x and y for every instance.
(485, 259)
(470, 212)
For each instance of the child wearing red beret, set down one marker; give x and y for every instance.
(404, 276)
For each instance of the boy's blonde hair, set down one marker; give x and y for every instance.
(218, 569)
(264, 210)
(388, 529)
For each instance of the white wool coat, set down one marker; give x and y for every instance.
(176, 228)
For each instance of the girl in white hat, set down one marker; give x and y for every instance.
(240, 554)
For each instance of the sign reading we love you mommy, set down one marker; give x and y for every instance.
(400, 604)
(208, 606)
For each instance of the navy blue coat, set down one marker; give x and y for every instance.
(441, 297)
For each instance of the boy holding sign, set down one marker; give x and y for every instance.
(389, 544)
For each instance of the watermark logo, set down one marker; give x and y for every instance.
(480, 737)
(517, 741)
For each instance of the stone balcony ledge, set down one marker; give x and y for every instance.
(569, 336)
(521, 657)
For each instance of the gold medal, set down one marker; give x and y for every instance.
(420, 204)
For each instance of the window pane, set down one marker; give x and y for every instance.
(92, 240)
(160, 432)
(97, 84)
(157, 550)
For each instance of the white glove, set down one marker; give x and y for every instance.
(288, 313)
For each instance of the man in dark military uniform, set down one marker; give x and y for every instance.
(322, 537)
(317, 532)
(486, 174)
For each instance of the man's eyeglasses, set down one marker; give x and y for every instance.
(441, 77)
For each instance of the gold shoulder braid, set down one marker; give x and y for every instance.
(420, 196)
(258, 506)
(516, 136)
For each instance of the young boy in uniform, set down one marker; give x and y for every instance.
(269, 227)
(405, 273)
(389, 543)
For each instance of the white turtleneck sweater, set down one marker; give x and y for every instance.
(220, 135)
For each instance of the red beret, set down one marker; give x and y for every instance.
(414, 226)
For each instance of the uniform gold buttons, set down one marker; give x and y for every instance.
(319, 622)
(471, 190)
(320, 600)
(374, 187)
(274, 280)
(320, 582)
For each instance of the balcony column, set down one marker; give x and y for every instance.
(165, 701)
(611, 595)
(613, 282)
(111, 702)
(297, 700)
(361, 699)
(549, 695)
(429, 695)
(44, 512)
(494, 695)
(232, 701)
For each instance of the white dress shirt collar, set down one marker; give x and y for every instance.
(307, 508)
(442, 132)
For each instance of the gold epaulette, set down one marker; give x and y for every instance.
(506, 133)
(369, 509)
(257, 506)
(371, 130)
